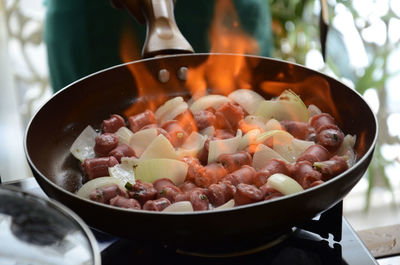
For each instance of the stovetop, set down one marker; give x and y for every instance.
(327, 239)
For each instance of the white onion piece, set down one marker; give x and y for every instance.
(97, 183)
(263, 154)
(167, 107)
(273, 124)
(346, 149)
(192, 145)
(83, 146)
(288, 106)
(153, 169)
(160, 147)
(123, 171)
(247, 99)
(177, 207)
(229, 204)
(209, 131)
(248, 139)
(225, 146)
(142, 139)
(313, 110)
(284, 184)
(172, 111)
(124, 135)
(258, 121)
(208, 101)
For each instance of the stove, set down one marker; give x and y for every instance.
(327, 239)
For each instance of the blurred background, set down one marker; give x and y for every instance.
(363, 51)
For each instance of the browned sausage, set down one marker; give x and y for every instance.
(246, 194)
(105, 194)
(232, 162)
(269, 192)
(112, 124)
(273, 166)
(124, 202)
(204, 119)
(220, 193)
(187, 185)
(136, 122)
(177, 135)
(142, 192)
(228, 116)
(156, 205)
(315, 153)
(198, 198)
(194, 168)
(300, 130)
(105, 143)
(305, 174)
(203, 154)
(122, 150)
(320, 121)
(169, 192)
(161, 183)
(187, 122)
(331, 167)
(243, 175)
(98, 167)
(212, 173)
(331, 138)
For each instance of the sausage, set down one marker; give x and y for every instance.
(228, 116)
(177, 135)
(142, 192)
(124, 202)
(104, 143)
(232, 162)
(212, 173)
(98, 167)
(331, 167)
(203, 154)
(299, 130)
(161, 183)
(320, 121)
(204, 119)
(331, 138)
(112, 124)
(198, 198)
(315, 153)
(136, 122)
(187, 122)
(186, 186)
(122, 150)
(246, 194)
(166, 189)
(243, 175)
(156, 205)
(305, 174)
(223, 134)
(273, 166)
(194, 168)
(220, 193)
(269, 192)
(105, 194)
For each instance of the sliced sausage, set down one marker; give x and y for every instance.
(220, 193)
(187, 185)
(187, 122)
(194, 168)
(122, 150)
(177, 135)
(246, 194)
(320, 121)
(212, 173)
(112, 124)
(245, 174)
(315, 153)
(142, 191)
(269, 192)
(331, 167)
(105, 194)
(228, 116)
(198, 198)
(104, 143)
(300, 130)
(331, 138)
(221, 134)
(232, 162)
(273, 166)
(124, 202)
(204, 119)
(98, 167)
(136, 122)
(305, 174)
(156, 205)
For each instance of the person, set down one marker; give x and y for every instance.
(84, 36)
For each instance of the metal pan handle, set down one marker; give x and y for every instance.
(163, 35)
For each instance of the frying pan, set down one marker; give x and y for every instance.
(94, 98)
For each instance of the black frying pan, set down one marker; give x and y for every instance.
(92, 99)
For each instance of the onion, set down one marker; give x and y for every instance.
(83, 145)
(209, 131)
(284, 184)
(208, 101)
(97, 183)
(192, 145)
(258, 121)
(313, 110)
(225, 146)
(346, 149)
(124, 135)
(182, 206)
(153, 169)
(123, 171)
(140, 140)
(264, 154)
(248, 139)
(160, 147)
(170, 109)
(247, 99)
(229, 204)
(288, 106)
(273, 124)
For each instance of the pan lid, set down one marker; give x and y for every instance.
(35, 230)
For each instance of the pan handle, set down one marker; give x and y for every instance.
(163, 35)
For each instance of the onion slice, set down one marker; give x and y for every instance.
(170, 109)
(225, 146)
(284, 184)
(153, 169)
(208, 101)
(140, 140)
(124, 135)
(192, 145)
(123, 171)
(247, 99)
(83, 146)
(177, 207)
(263, 154)
(97, 183)
(248, 139)
(160, 147)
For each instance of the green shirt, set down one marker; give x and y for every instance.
(84, 36)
